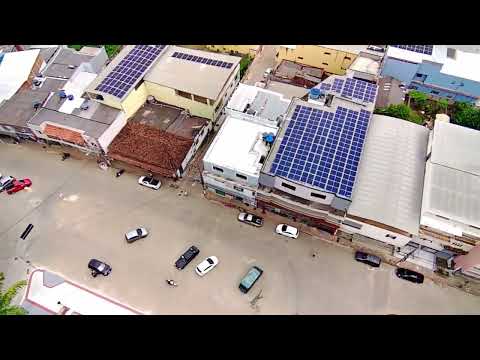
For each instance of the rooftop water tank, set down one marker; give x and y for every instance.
(62, 94)
(269, 138)
(315, 93)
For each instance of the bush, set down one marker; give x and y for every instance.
(400, 111)
(419, 98)
(467, 115)
(111, 50)
(244, 64)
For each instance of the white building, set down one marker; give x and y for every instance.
(451, 195)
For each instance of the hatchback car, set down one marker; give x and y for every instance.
(368, 259)
(250, 219)
(187, 257)
(250, 279)
(18, 185)
(150, 182)
(287, 230)
(99, 267)
(136, 234)
(206, 265)
(409, 275)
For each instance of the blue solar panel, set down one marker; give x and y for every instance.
(322, 149)
(202, 60)
(359, 89)
(422, 49)
(337, 85)
(129, 70)
(325, 86)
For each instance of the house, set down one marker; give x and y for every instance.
(311, 170)
(387, 198)
(231, 165)
(438, 70)
(333, 59)
(198, 81)
(450, 210)
(161, 139)
(68, 117)
(297, 74)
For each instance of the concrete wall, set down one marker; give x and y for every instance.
(374, 232)
(107, 137)
(231, 188)
(332, 61)
(398, 69)
(303, 191)
(230, 174)
(134, 100)
(167, 95)
(197, 143)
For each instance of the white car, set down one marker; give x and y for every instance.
(150, 182)
(136, 234)
(267, 72)
(287, 230)
(206, 265)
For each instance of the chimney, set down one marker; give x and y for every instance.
(19, 47)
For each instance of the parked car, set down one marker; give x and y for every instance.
(368, 259)
(409, 275)
(376, 48)
(150, 182)
(250, 219)
(5, 182)
(99, 267)
(187, 256)
(250, 279)
(206, 265)
(18, 185)
(287, 230)
(137, 234)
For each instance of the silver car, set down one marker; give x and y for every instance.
(136, 234)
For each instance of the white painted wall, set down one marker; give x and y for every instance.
(303, 191)
(197, 143)
(376, 233)
(107, 137)
(230, 187)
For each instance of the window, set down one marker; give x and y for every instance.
(241, 176)
(418, 75)
(220, 192)
(238, 188)
(434, 92)
(347, 58)
(218, 169)
(299, 57)
(183, 94)
(352, 224)
(262, 159)
(325, 64)
(320, 196)
(451, 53)
(200, 99)
(326, 53)
(288, 186)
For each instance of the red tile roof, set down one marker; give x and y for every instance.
(60, 133)
(150, 149)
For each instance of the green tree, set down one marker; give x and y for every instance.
(442, 105)
(466, 114)
(401, 111)
(6, 297)
(420, 99)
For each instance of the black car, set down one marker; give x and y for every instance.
(368, 259)
(409, 275)
(187, 256)
(99, 267)
(250, 219)
(250, 279)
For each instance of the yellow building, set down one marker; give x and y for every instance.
(334, 59)
(198, 81)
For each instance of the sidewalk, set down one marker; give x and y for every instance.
(49, 294)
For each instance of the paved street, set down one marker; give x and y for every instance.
(80, 212)
(263, 61)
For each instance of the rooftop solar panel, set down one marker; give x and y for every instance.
(122, 77)
(422, 49)
(202, 60)
(322, 148)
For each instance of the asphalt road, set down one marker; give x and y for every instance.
(80, 212)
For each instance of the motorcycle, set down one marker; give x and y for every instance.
(172, 283)
(119, 172)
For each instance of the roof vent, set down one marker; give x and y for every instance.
(70, 97)
(85, 105)
(251, 112)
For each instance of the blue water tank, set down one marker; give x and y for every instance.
(62, 94)
(269, 138)
(70, 97)
(315, 93)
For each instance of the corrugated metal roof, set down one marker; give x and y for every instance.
(391, 173)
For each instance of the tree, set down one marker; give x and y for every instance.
(420, 99)
(400, 111)
(6, 297)
(465, 114)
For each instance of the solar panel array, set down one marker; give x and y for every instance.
(202, 60)
(358, 89)
(129, 70)
(322, 148)
(324, 86)
(337, 85)
(422, 49)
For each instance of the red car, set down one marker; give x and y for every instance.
(19, 185)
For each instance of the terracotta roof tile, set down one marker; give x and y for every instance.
(64, 134)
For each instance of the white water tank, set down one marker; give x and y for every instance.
(442, 117)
